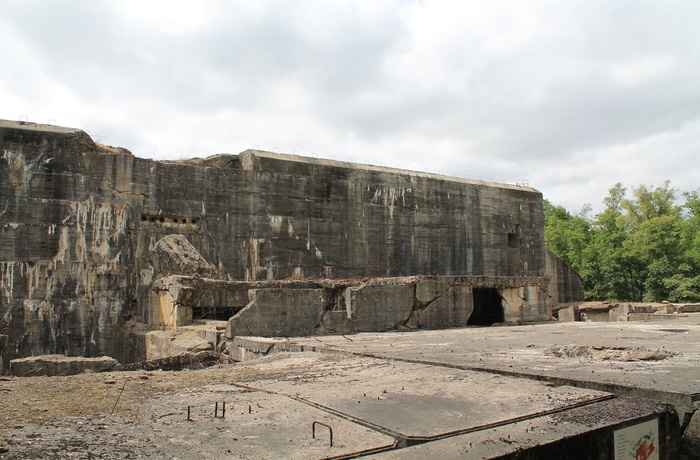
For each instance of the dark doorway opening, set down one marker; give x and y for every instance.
(219, 314)
(488, 308)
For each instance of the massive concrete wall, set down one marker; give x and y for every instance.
(321, 217)
(78, 222)
(565, 285)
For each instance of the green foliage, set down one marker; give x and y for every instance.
(642, 248)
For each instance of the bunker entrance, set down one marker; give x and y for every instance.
(488, 308)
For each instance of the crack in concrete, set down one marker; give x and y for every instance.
(421, 306)
(402, 440)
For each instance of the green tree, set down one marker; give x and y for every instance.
(613, 273)
(684, 284)
(641, 248)
(653, 223)
(565, 235)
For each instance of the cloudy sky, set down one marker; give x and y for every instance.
(572, 96)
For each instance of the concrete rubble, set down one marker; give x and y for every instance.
(621, 311)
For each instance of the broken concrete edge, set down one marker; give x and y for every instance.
(188, 360)
(175, 255)
(691, 432)
(341, 283)
(52, 365)
(61, 138)
(599, 430)
(60, 365)
(322, 306)
(242, 349)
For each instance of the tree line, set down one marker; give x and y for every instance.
(642, 248)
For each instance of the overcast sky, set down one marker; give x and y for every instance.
(573, 96)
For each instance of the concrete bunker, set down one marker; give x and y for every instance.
(92, 236)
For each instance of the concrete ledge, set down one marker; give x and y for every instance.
(248, 348)
(51, 365)
(606, 312)
(342, 306)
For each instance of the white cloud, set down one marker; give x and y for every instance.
(574, 96)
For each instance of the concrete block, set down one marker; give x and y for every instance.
(614, 315)
(382, 308)
(51, 365)
(691, 435)
(175, 255)
(568, 314)
(336, 322)
(440, 304)
(536, 306)
(280, 312)
(637, 308)
(164, 312)
(596, 316)
(688, 308)
(623, 312)
(161, 344)
(650, 316)
(665, 309)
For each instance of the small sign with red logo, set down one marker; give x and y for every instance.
(638, 442)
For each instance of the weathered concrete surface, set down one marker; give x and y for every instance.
(281, 309)
(621, 311)
(568, 314)
(50, 365)
(280, 312)
(374, 406)
(174, 255)
(565, 285)
(415, 403)
(657, 360)
(82, 228)
(581, 433)
(185, 360)
(691, 436)
(257, 424)
(523, 351)
(161, 344)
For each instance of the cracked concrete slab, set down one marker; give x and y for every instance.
(522, 351)
(412, 402)
(373, 405)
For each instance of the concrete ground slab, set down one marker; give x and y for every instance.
(523, 351)
(413, 402)
(256, 425)
(372, 405)
(472, 392)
